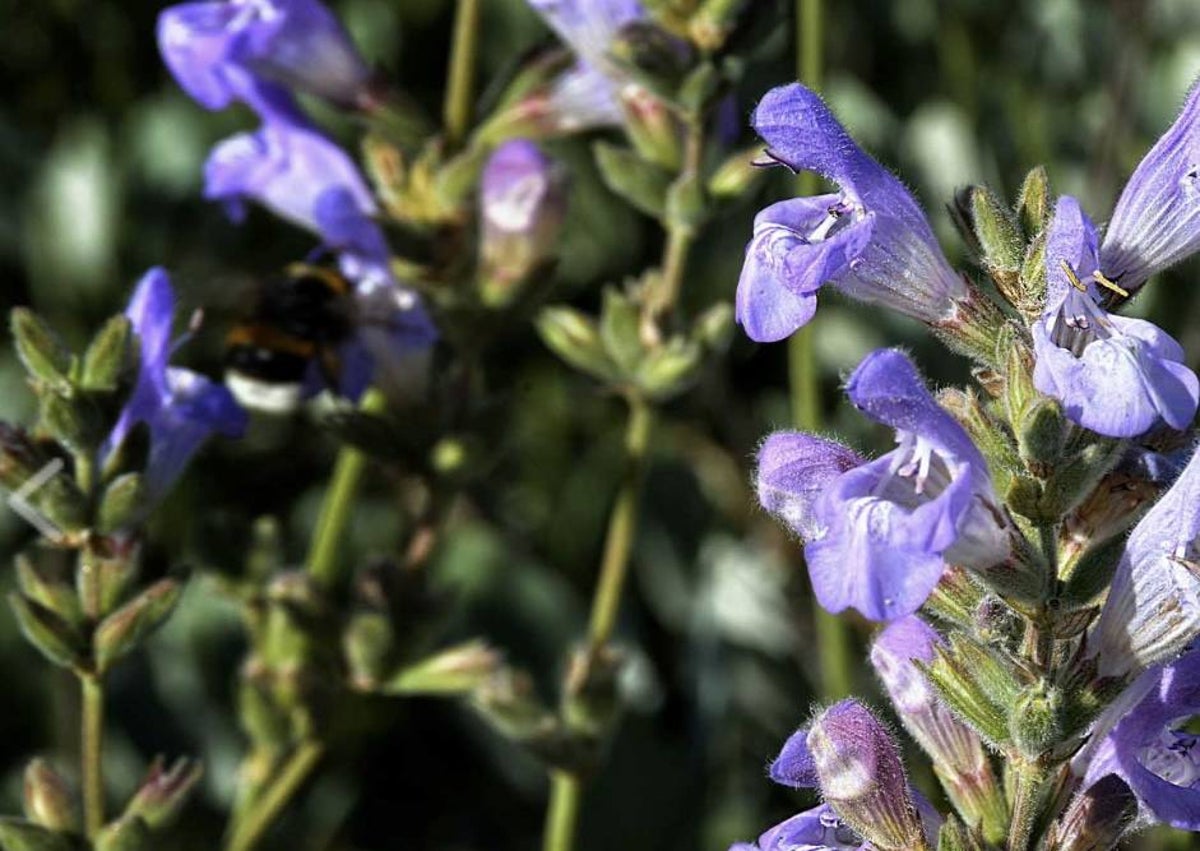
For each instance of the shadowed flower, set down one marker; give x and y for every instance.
(879, 534)
(1159, 762)
(586, 95)
(871, 239)
(214, 49)
(1115, 375)
(1156, 222)
(1153, 607)
(303, 177)
(181, 408)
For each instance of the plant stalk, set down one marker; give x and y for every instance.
(622, 525)
(565, 791)
(833, 640)
(460, 85)
(267, 807)
(91, 751)
(322, 562)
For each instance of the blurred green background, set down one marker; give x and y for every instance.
(100, 174)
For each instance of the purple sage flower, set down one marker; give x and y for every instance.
(1115, 375)
(1156, 222)
(871, 239)
(298, 174)
(794, 468)
(181, 408)
(879, 534)
(1153, 607)
(215, 48)
(1159, 762)
(871, 763)
(522, 204)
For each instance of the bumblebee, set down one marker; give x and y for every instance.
(298, 320)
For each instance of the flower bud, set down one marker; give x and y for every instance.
(736, 175)
(522, 206)
(862, 777)
(574, 337)
(164, 791)
(651, 127)
(591, 690)
(1036, 721)
(955, 749)
(456, 670)
(49, 801)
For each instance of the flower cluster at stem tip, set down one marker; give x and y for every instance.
(959, 539)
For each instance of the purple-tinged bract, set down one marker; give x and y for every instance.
(954, 747)
(871, 240)
(1115, 375)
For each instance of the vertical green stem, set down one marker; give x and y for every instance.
(91, 748)
(622, 525)
(460, 87)
(322, 562)
(270, 804)
(565, 791)
(833, 640)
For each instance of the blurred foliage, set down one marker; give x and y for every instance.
(100, 171)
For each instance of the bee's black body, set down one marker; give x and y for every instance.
(299, 317)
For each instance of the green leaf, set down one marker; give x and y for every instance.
(1033, 204)
(54, 637)
(575, 339)
(125, 834)
(642, 184)
(107, 356)
(121, 504)
(670, 369)
(41, 350)
(129, 625)
(620, 330)
(20, 835)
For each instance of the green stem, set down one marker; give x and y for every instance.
(565, 791)
(833, 639)
(460, 87)
(322, 562)
(622, 525)
(91, 749)
(268, 805)
(1026, 798)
